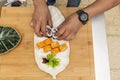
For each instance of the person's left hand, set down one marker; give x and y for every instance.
(69, 28)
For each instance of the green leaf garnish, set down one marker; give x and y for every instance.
(53, 62)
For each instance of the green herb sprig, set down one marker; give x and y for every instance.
(52, 61)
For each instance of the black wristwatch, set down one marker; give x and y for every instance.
(83, 16)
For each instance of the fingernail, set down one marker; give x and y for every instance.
(31, 23)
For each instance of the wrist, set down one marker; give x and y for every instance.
(77, 19)
(88, 12)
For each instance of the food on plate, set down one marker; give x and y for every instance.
(47, 48)
(63, 47)
(44, 43)
(47, 41)
(54, 36)
(48, 28)
(51, 61)
(55, 50)
(54, 30)
(9, 39)
(45, 60)
(54, 44)
(51, 32)
(50, 45)
(40, 44)
(48, 31)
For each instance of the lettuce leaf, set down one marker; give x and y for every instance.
(53, 62)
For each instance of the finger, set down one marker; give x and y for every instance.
(31, 24)
(60, 26)
(37, 29)
(70, 37)
(61, 30)
(64, 36)
(43, 28)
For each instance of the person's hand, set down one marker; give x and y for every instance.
(69, 28)
(41, 18)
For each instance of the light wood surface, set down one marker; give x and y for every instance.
(19, 64)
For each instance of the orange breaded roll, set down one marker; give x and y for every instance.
(62, 47)
(40, 44)
(47, 48)
(54, 44)
(48, 41)
(55, 50)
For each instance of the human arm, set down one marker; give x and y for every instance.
(41, 17)
(100, 6)
(69, 28)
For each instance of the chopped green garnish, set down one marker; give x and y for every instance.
(53, 62)
(50, 56)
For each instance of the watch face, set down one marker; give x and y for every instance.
(84, 17)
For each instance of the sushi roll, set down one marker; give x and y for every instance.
(54, 37)
(48, 31)
(54, 30)
(48, 28)
(49, 34)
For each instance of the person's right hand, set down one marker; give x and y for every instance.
(41, 18)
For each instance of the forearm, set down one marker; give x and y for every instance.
(99, 6)
(38, 3)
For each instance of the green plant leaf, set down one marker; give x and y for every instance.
(9, 39)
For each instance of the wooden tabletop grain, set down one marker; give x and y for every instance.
(0, 11)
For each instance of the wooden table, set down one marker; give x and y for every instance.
(0, 11)
(19, 64)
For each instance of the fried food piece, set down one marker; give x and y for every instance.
(63, 47)
(48, 41)
(40, 44)
(55, 50)
(54, 44)
(47, 48)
